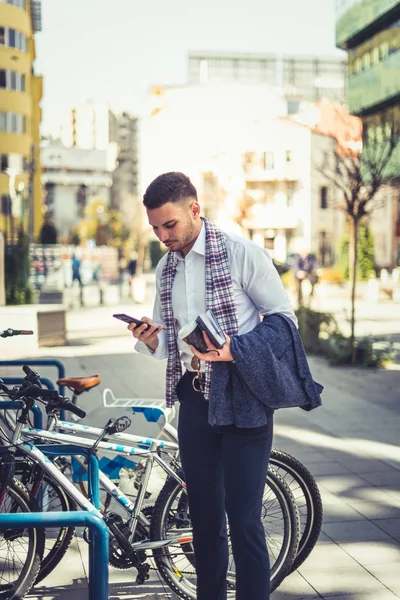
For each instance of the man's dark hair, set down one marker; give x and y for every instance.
(169, 187)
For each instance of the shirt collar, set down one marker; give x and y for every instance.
(199, 246)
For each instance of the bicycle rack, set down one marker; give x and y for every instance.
(39, 363)
(93, 466)
(37, 413)
(98, 550)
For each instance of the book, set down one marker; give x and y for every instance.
(192, 333)
(208, 322)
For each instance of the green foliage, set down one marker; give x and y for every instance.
(314, 328)
(365, 254)
(369, 352)
(321, 336)
(17, 269)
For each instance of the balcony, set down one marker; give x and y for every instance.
(270, 216)
(285, 172)
(375, 85)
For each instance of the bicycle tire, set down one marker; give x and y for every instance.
(21, 502)
(174, 576)
(310, 506)
(58, 539)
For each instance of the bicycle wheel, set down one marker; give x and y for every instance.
(176, 563)
(21, 549)
(308, 499)
(50, 497)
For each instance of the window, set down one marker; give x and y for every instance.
(23, 125)
(384, 50)
(13, 80)
(366, 60)
(3, 162)
(326, 257)
(14, 123)
(324, 197)
(375, 56)
(3, 78)
(2, 36)
(290, 189)
(3, 121)
(22, 88)
(269, 161)
(12, 38)
(18, 3)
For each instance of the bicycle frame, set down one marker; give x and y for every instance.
(133, 509)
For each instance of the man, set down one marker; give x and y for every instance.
(305, 267)
(225, 466)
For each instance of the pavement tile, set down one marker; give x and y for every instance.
(338, 581)
(340, 513)
(366, 465)
(390, 526)
(388, 574)
(326, 555)
(357, 531)
(375, 510)
(373, 552)
(296, 586)
(341, 484)
(376, 596)
(385, 478)
(329, 468)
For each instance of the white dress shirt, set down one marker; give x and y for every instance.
(257, 288)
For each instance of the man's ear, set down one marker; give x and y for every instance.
(195, 209)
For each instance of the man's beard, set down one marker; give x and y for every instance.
(187, 239)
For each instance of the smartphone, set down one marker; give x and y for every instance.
(128, 319)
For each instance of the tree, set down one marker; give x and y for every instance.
(359, 173)
(365, 254)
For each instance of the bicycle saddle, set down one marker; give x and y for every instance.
(80, 384)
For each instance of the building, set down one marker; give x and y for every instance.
(20, 117)
(124, 191)
(98, 127)
(311, 77)
(72, 178)
(369, 30)
(255, 167)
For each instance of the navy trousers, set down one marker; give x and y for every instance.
(225, 471)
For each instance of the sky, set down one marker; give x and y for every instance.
(112, 52)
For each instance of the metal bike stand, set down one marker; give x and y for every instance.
(38, 363)
(43, 380)
(98, 550)
(15, 404)
(93, 466)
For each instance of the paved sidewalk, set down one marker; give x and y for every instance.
(351, 445)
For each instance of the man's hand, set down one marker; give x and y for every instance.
(146, 335)
(222, 354)
(301, 274)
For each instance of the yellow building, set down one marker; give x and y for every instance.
(20, 117)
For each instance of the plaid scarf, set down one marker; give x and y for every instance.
(219, 297)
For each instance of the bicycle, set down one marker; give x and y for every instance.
(301, 483)
(299, 479)
(130, 541)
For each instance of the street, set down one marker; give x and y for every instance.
(350, 444)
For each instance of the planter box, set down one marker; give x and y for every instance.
(47, 321)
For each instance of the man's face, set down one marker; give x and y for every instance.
(176, 224)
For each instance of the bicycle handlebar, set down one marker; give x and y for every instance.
(12, 332)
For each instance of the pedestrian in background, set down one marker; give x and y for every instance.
(76, 270)
(305, 268)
